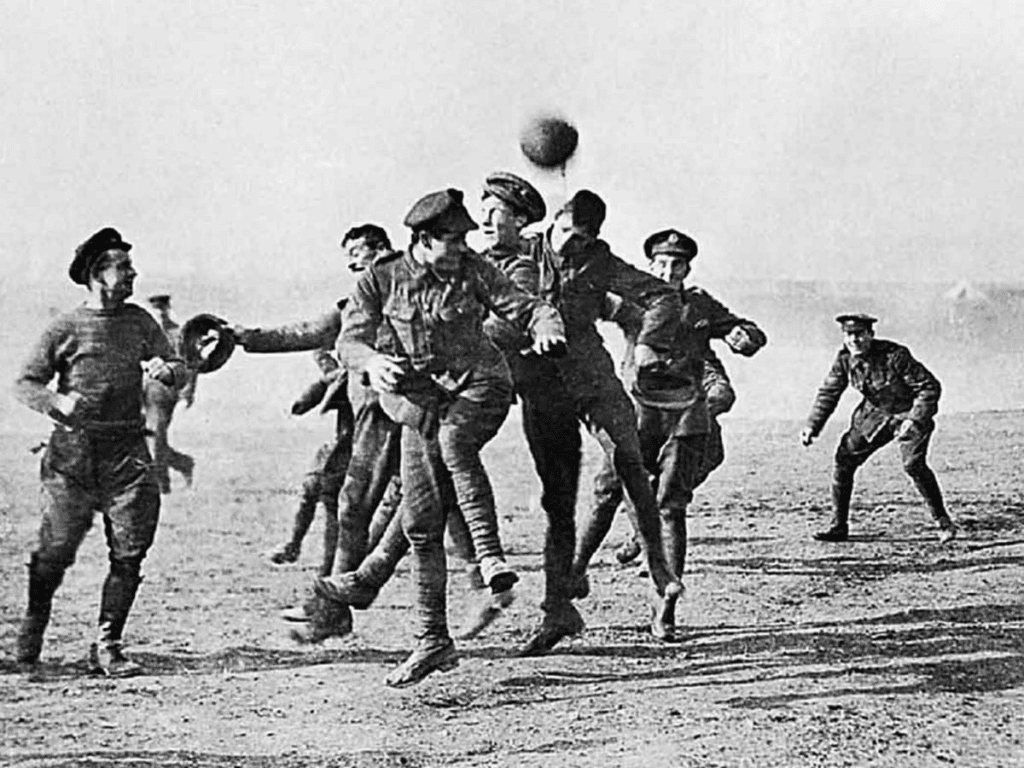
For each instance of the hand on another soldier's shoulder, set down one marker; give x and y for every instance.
(383, 373)
(806, 436)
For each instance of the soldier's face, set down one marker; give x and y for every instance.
(672, 269)
(114, 275)
(564, 232)
(445, 249)
(858, 340)
(501, 225)
(360, 254)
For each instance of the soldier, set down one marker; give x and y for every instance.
(509, 204)
(577, 271)
(448, 386)
(901, 398)
(159, 404)
(671, 253)
(96, 459)
(361, 245)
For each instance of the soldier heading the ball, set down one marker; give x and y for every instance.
(901, 398)
(577, 272)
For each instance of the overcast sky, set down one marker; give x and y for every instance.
(227, 140)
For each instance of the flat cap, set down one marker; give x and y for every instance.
(672, 242)
(442, 211)
(517, 193)
(852, 320)
(89, 252)
(587, 210)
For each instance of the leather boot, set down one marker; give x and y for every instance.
(842, 490)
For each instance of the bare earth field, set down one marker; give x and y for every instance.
(888, 650)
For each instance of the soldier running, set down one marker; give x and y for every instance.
(448, 386)
(96, 459)
(901, 398)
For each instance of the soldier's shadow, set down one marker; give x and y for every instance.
(966, 649)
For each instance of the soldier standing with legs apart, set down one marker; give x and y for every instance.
(901, 398)
(449, 387)
(96, 459)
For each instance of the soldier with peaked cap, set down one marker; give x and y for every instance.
(96, 459)
(160, 401)
(449, 387)
(674, 416)
(576, 273)
(901, 398)
(670, 254)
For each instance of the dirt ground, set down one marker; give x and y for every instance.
(888, 650)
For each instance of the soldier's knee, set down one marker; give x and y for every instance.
(312, 484)
(673, 513)
(916, 467)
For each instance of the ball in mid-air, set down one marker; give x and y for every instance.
(548, 141)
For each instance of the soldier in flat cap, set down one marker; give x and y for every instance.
(671, 254)
(96, 459)
(901, 398)
(160, 401)
(509, 203)
(449, 387)
(677, 402)
(576, 273)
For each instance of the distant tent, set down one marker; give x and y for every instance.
(965, 292)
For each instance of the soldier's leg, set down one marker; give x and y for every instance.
(67, 512)
(375, 460)
(386, 511)
(465, 429)
(608, 496)
(131, 498)
(914, 452)
(552, 433)
(423, 520)
(853, 450)
(158, 412)
(612, 420)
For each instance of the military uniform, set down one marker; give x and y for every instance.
(705, 318)
(98, 462)
(897, 389)
(582, 387)
(452, 400)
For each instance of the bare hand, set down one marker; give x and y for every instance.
(384, 373)
(161, 371)
(905, 429)
(68, 407)
(549, 344)
(806, 436)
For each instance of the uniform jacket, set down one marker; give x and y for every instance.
(435, 325)
(893, 383)
(577, 283)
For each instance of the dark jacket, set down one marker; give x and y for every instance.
(893, 383)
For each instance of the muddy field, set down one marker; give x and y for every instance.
(888, 650)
